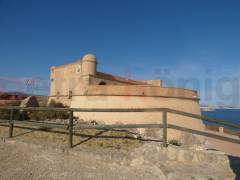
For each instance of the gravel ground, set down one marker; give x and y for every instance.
(43, 155)
(40, 155)
(23, 161)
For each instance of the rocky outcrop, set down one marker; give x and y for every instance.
(181, 163)
(149, 161)
(30, 101)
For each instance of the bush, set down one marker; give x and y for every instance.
(43, 115)
(55, 104)
(34, 115)
(5, 113)
(174, 142)
(42, 100)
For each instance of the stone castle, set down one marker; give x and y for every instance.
(80, 85)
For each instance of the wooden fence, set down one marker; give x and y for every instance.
(163, 124)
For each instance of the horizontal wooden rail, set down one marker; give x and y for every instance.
(84, 109)
(70, 126)
(114, 126)
(42, 124)
(35, 108)
(33, 121)
(119, 110)
(213, 120)
(202, 133)
(4, 121)
(195, 116)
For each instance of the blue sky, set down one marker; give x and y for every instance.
(168, 39)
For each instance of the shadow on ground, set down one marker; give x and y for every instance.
(235, 165)
(97, 135)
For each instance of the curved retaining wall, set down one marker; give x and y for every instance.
(138, 97)
(139, 117)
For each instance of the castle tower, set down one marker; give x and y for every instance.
(89, 65)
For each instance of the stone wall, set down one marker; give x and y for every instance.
(65, 78)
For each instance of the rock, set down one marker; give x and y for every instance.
(191, 139)
(184, 156)
(30, 101)
(172, 152)
(195, 158)
(221, 159)
(137, 162)
(149, 161)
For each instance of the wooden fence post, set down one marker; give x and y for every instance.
(11, 124)
(164, 121)
(70, 129)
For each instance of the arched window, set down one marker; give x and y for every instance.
(102, 83)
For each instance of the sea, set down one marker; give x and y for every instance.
(229, 115)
